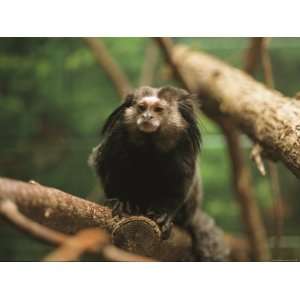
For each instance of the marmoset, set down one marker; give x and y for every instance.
(147, 164)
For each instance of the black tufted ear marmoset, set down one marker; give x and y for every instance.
(147, 163)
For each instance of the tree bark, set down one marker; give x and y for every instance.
(240, 174)
(69, 214)
(265, 115)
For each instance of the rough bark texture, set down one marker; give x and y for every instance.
(69, 214)
(240, 174)
(95, 241)
(267, 116)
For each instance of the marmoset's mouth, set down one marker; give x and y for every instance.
(148, 126)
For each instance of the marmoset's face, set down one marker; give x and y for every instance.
(147, 113)
(155, 110)
(150, 111)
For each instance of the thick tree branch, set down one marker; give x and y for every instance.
(69, 214)
(265, 115)
(92, 240)
(105, 60)
(241, 175)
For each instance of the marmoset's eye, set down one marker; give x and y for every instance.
(141, 107)
(158, 109)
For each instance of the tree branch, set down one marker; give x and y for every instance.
(92, 240)
(150, 61)
(265, 115)
(106, 61)
(69, 214)
(73, 247)
(10, 211)
(261, 56)
(253, 55)
(241, 175)
(244, 194)
(167, 47)
(274, 176)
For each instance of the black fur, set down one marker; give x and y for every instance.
(145, 180)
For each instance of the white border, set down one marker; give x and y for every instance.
(151, 281)
(149, 18)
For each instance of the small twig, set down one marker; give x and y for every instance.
(253, 58)
(90, 239)
(95, 241)
(256, 157)
(10, 211)
(106, 61)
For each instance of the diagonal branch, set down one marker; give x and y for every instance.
(93, 240)
(106, 61)
(166, 45)
(10, 212)
(75, 246)
(150, 61)
(265, 115)
(241, 175)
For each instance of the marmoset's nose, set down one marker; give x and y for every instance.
(147, 116)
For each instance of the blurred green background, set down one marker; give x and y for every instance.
(54, 98)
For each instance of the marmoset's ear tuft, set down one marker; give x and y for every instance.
(128, 99)
(117, 113)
